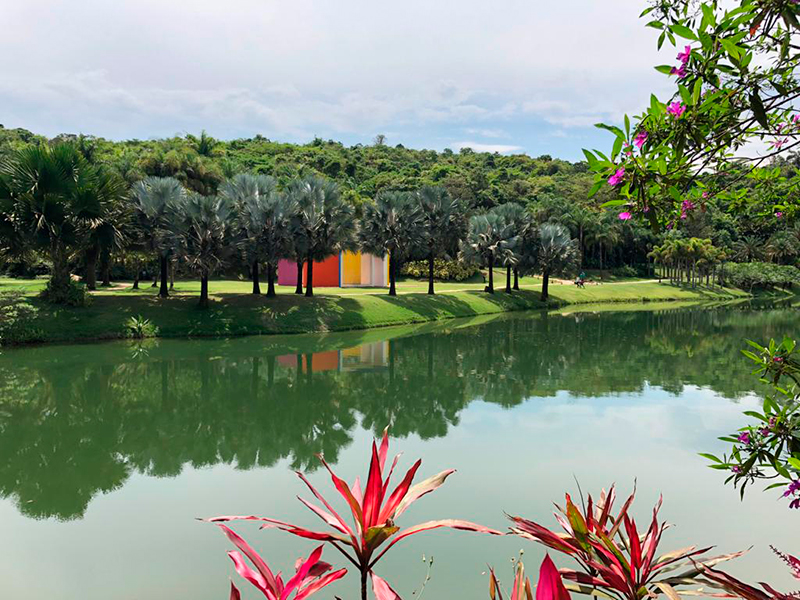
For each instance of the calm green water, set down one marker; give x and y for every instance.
(108, 452)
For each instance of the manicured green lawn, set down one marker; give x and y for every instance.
(234, 311)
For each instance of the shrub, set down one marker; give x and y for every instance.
(625, 271)
(443, 270)
(17, 319)
(73, 294)
(138, 327)
(761, 275)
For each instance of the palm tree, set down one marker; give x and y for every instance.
(517, 219)
(605, 236)
(393, 225)
(323, 224)
(107, 233)
(252, 197)
(558, 252)
(444, 225)
(750, 248)
(490, 240)
(206, 235)
(157, 202)
(54, 196)
(783, 247)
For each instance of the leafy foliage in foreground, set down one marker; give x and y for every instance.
(770, 449)
(615, 559)
(374, 511)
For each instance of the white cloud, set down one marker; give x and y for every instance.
(479, 147)
(430, 72)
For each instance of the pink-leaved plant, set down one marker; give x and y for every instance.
(374, 510)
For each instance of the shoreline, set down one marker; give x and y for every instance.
(236, 315)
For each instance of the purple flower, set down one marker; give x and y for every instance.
(779, 143)
(773, 422)
(640, 138)
(793, 488)
(777, 359)
(679, 71)
(736, 469)
(684, 56)
(625, 216)
(778, 214)
(743, 437)
(617, 176)
(676, 109)
(764, 431)
(705, 194)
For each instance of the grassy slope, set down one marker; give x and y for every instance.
(236, 312)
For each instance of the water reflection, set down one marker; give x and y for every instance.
(76, 421)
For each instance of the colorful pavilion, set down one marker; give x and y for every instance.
(348, 269)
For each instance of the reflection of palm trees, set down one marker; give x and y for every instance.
(73, 427)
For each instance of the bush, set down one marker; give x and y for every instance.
(625, 271)
(74, 294)
(443, 270)
(17, 319)
(139, 328)
(761, 275)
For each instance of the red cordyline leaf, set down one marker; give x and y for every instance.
(612, 553)
(235, 595)
(746, 591)
(382, 590)
(550, 586)
(373, 513)
(310, 576)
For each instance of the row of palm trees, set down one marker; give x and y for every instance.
(689, 258)
(53, 199)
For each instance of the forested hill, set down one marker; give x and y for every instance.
(551, 189)
(202, 163)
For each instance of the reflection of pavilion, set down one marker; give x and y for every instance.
(368, 357)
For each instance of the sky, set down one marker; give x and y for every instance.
(510, 76)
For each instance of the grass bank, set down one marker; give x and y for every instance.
(235, 312)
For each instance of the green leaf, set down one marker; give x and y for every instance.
(683, 31)
(664, 69)
(710, 457)
(758, 109)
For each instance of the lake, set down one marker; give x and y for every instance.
(108, 452)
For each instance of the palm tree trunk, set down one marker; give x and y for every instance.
(299, 288)
(270, 280)
(516, 278)
(430, 274)
(59, 277)
(545, 284)
(490, 287)
(106, 262)
(90, 277)
(163, 292)
(310, 278)
(392, 267)
(204, 290)
(508, 280)
(256, 284)
(171, 268)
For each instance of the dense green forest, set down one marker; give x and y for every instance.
(550, 188)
